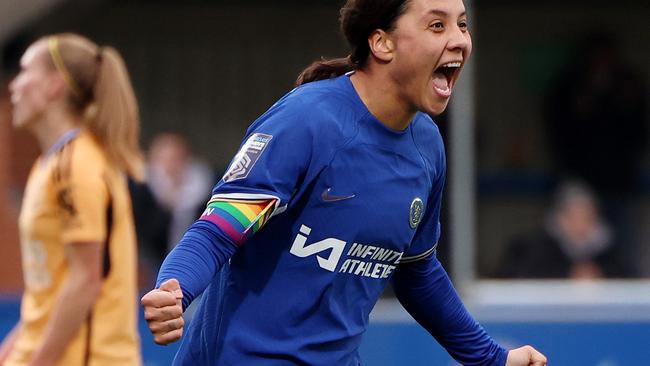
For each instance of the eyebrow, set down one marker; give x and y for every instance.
(444, 13)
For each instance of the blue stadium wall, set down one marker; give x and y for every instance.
(393, 343)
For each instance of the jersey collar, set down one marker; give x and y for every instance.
(64, 139)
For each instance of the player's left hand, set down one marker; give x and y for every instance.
(525, 356)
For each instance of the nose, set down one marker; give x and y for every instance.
(460, 40)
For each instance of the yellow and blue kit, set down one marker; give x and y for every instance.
(73, 195)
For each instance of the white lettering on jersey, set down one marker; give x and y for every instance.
(368, 264)
(301, 250)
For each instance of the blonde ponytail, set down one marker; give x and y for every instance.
(116, 123)
(100, 89)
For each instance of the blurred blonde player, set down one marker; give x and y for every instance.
(77, 233)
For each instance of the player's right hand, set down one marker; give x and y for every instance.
(163, 311)
(526, 356)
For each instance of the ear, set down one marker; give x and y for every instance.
(56, 85)
(381, 45)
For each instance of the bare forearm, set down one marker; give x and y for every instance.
(8, 343)
(72, 308)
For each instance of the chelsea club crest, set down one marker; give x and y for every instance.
(415, 213)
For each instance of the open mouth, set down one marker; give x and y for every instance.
(445, 76)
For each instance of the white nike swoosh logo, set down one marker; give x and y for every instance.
(327, 197)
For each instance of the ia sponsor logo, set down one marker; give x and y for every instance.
(361, 260)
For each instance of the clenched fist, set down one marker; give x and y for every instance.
(525, 356)
(163, 312)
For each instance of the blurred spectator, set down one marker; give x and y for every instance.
(574, 242)
(596, 118)
(597, 129)
(179, 181)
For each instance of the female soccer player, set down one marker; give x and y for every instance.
(335, 191)
(77, 233)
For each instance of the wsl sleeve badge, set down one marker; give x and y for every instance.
(247, 156)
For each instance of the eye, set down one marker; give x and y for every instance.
(437, 26)
(463, 25)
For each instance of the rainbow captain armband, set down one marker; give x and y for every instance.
(238, 218)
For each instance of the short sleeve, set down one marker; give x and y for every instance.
(273, 159)
(428, 232)
(82, 199)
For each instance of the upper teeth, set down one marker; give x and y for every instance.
(452, 64)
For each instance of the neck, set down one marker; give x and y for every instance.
(52, 127)
(380, 96)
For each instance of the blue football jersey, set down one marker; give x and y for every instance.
(354, 200)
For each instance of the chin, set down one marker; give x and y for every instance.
(19, 122)
(435, 109)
